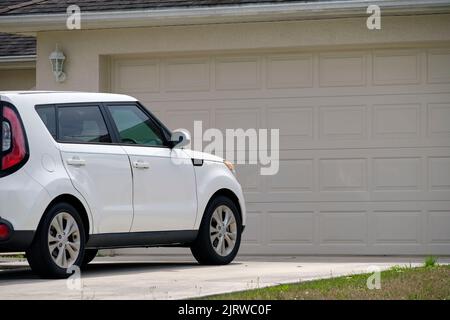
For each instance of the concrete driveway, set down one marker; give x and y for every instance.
(178, 277)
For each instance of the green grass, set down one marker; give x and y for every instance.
(428, 282)
(13, 256)
(430, 261)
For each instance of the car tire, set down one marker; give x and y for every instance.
(207, 248)
(89, 255)
(53, 254)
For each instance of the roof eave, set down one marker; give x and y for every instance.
(220, 14)
(18, 62)
(26, 58)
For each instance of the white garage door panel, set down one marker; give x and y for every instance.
(364, 138)
(388, 121)
(411, 227)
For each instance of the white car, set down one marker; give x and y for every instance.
(86, 171)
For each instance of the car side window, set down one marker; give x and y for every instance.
(48, 117)
(135, 127)
(84, 124)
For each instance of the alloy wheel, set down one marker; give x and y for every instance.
(64, 240)
(223, 230)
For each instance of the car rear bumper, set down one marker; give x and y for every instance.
(18, 240)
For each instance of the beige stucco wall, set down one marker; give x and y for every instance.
(17, 79)
(85, 48)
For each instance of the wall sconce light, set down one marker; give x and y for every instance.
(57, 60)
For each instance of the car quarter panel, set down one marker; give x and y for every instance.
(23, 200)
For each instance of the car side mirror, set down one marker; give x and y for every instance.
(180, 138)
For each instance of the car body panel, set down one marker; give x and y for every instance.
(202, 156)
(213, 177)
(165, 196)
(21, 199)
(105, 182)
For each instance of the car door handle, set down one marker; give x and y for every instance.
(76, 161)
(141, 164)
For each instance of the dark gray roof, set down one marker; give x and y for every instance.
(16, 45)
(16, 7)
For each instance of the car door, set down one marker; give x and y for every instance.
(99, 170)
(164, 188)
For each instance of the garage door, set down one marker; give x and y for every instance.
(364, 141)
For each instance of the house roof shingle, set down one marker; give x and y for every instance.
(16, 7)
(17, 45)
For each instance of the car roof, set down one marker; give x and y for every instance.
(53, 97)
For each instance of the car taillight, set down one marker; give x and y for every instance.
(5, 231)
(14, 146)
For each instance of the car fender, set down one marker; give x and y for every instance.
(212, 177)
